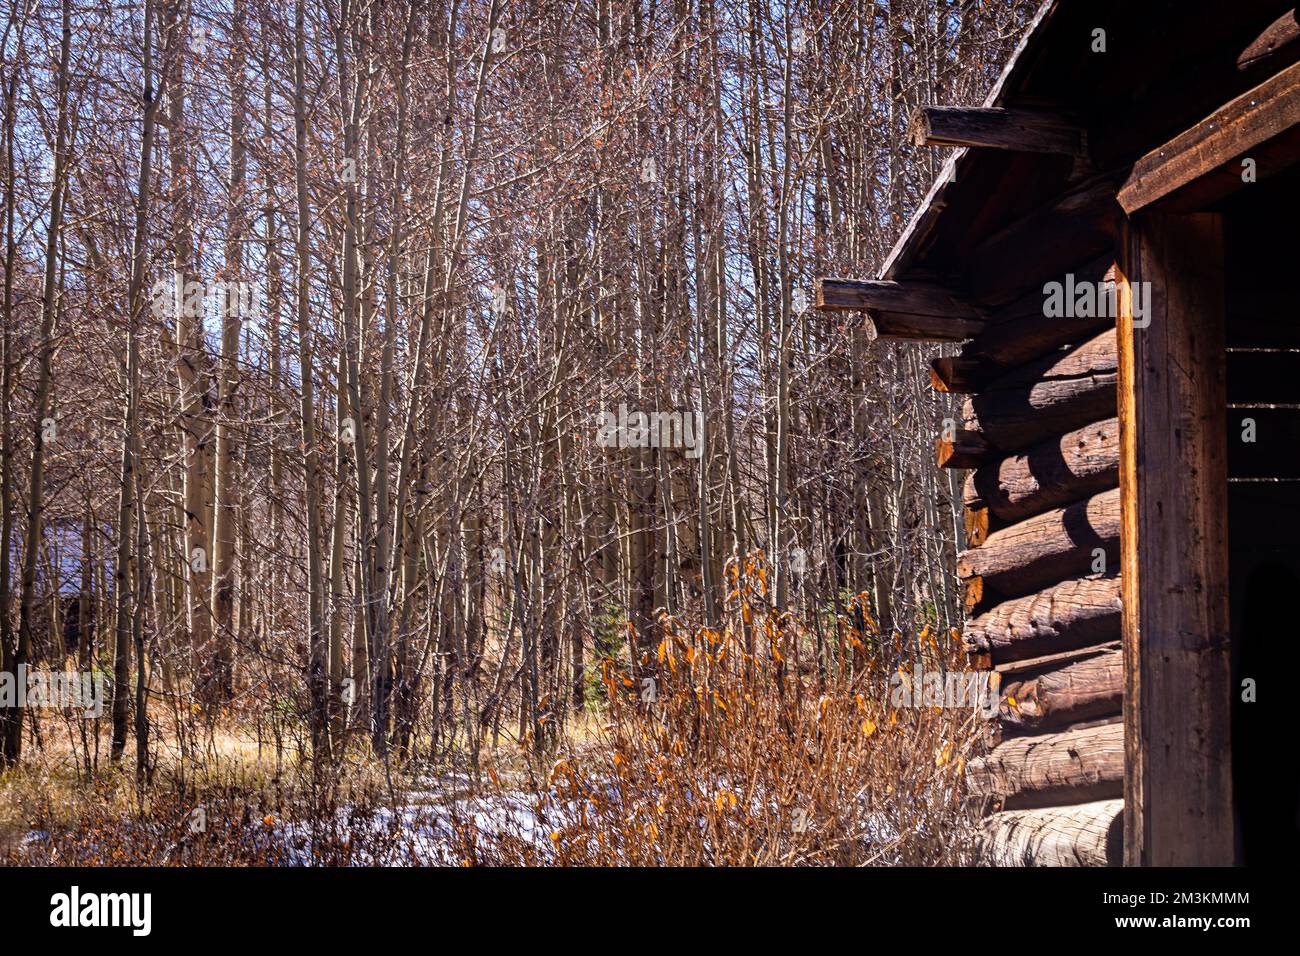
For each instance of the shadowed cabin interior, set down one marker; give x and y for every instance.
(1110, 254)
(1263, 342)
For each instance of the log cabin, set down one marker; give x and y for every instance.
(1109, 255)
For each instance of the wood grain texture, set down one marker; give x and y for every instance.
(965, 449)
(838, 295)
(1234, 129)
(1088, 834)
(1066, 693)
(1173, 472)
(1033, 131)
(1048, 548)
(1071, 766)
(1052, 396)
(907, 327)
(952, 373)
(1055, 472)
(1062, 617)
(1081, 223)
(1019, 333)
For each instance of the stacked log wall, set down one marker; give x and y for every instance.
(1038, 431)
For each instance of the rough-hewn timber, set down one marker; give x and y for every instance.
(965, 449)
(1253, 118)
(1062, 543)
(858, 295)
(1173, 469)
(906, 327)
(1073, 766)
(975, 521)
(1069, 693)
(1081, 223)
(1032, 131)
(1020, 332)
(1072, 614)
(1089, 834)
(1050, 397)
(1052, 473)
(953, 373)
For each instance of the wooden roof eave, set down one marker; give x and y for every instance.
(921, 226)
(904, 311)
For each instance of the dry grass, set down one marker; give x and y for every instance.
(746, 755)
(746, 759)
(238, 805)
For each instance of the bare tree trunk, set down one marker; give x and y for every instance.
(128, 607)
(191, 355)
(44, 428)
(316, 665)
(220, 678)
(8, 650)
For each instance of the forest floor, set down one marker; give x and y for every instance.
(829, 780)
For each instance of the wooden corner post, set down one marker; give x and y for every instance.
(1174, 542)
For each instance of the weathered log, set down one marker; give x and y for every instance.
(1072, 766)
(1020, 340)
(966, 449)
(1089, 834)
(1281, 33)
(1056, 545)
(1248, 121)
(1069, 693)
(1097, 354)
(1078, 225)
(1050, 397)
(1081, 463)
(1065, 616)
(953, 373)
(1028, 131)
(1022, 332)
(1019, 670)
(857, 295)
(976, 522)
(907, 327)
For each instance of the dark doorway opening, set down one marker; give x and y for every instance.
(1263, 443)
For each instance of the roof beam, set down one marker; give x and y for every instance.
(899, 326)
(855, 295)
(963, 449)
(1026, 131)
(953, 373)
(1232, 131)
(903, 310)
(1280, 34)
(1078, 225)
